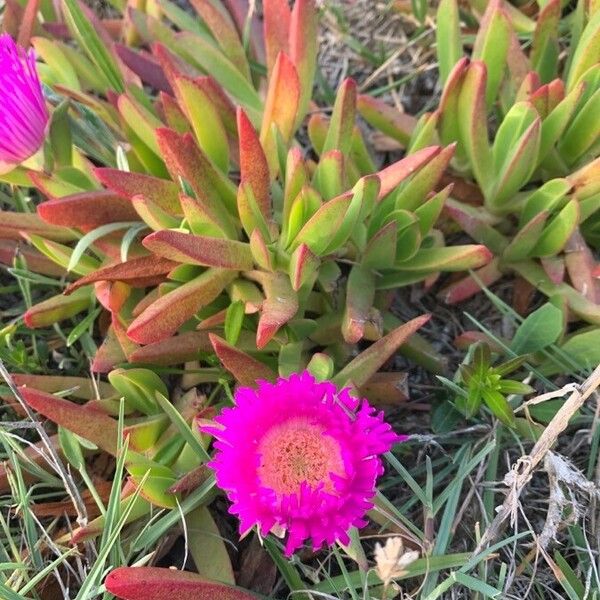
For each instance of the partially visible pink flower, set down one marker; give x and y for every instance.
(23, 113)
(301, 458)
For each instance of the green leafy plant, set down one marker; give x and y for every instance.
(211, 219)
(526, 160)
(482, 382)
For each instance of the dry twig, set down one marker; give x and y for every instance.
(523, 469)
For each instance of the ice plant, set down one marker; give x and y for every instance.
(300, 457)
(23, 113)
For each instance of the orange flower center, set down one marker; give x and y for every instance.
(297, 452)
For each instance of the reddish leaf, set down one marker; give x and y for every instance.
(28, 22)
(155, 583)
(109, 354)
(57, 309)
(87, 210)
(36, 261)
(91, 425)
(303, 266)
(200, 250)
(174, 350)
(391, 177)
(242, 366)
(359, 300)
(280, 305)
(138, 272)
(253, 164)
(304, 35)
(171, 114)
(145, 66)
(223, 29)
(80, 387)
(276, 27)
(367, 363)
(164, 316)
(184, 159)
(162, 192)
(281, 108)
(467, 286)
(13, 224)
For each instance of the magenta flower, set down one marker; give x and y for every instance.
(301, 458)
(23, 113)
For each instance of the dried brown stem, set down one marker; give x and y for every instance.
(523, 469)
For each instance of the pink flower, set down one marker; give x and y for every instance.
(301, 458)
(23, 113)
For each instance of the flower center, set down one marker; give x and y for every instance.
(298, 452)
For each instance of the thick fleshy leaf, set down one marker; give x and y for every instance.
(57, 308)
(276, 26)
(155, 583)
(415, 191)
(526, 238)
(224, 31)
(145, 66)
(472, 123)
(109, 354)
(13, 224)
(358, 371)
(546, 198)
(91, 425)
(184, 159)
(449, 46)
(35, 261)
(141, 121)
(491, 46)
(448, 107)
(199, 250)
(360, 295)
(304, 36)
(137, 272)
(280, 305)
(518, 167)
(341, 125)
(477, 224)
(254, 168)
(205, 120)
(207, 546)
(79, 387)
(174, 350)
(392, 176)
(467, 286)
(557, 121)
(579, 304)
(303, 266)
(203, 221)
(558, 231)
(164, 316)
(580, 263)
(281, 108)
(87, 210)
(545, 47)
(584, 131)
(586, 52)
(246, 369)
(387, 119)
(380, 252)
(329, 178)
(451, 258)
(162, 192)
(321, 227)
